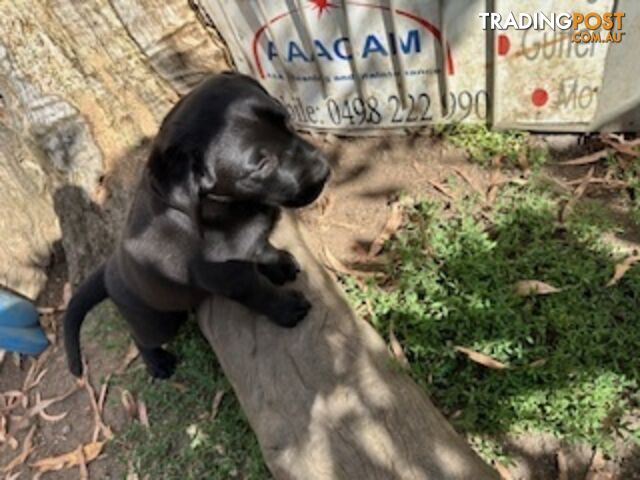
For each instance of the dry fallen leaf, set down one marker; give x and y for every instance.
(481, 358)
(332, 263)
(603, 182)
(587, 159)
(67, 293)
(577, 194)
(391, 226)
(563, 467)
(462, 174)
(621, 145)
(525, 288)
(538, 363)
(502, 470)
(492, 194)
(142, 414)
(442, 189)
(86, 453)
(35, 374)
(40, 406)
(5, 436)
(129, 403)
(99, 425)
(596, 469)
(12, 399)
(622, 268)
(27, 448)
(131, 472)
(396, 348)
(82, 463)
(131, 355)
(215, 405)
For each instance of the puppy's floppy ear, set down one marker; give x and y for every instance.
(203, 173)
(176, 168)
(169, 166)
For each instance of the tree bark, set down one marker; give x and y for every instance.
(325, 399)
(83, 88)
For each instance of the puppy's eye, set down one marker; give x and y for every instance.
(266, 162)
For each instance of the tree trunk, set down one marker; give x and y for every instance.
(325, 399)
(83, 87)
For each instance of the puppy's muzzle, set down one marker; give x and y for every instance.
(315, 179)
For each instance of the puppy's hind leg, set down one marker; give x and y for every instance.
(150, 330)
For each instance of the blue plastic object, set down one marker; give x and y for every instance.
(20, 330)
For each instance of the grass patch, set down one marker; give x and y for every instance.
(571, 355)
(483, 145)
(184, 442)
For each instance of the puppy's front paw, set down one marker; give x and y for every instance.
(290, 309)
(285, 270)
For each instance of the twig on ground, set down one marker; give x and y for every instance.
(27, 448)
(587, 159)
(441, 188)
(100, 426)
(462, 174)
(391, 226)
(577, 194)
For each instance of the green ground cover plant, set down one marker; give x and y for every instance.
(570, 356)
(511, 148)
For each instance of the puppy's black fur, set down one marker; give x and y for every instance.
(222, 164)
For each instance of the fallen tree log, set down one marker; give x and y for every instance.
(324, 399)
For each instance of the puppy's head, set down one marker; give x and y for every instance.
(229, 138)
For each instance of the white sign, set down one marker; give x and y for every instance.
(355, 65)
(369, 65)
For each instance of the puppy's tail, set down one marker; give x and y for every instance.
(91, 292)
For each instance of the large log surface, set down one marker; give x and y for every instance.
(324, 399)
(83, 87)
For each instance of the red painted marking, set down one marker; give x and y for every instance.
(539, 97)
(504, 44)
(257, 36)
(322, 5)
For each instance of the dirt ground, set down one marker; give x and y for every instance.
(368, 175)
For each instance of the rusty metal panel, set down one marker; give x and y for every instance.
(368, 66)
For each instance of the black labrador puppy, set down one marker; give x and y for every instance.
(223, 163)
